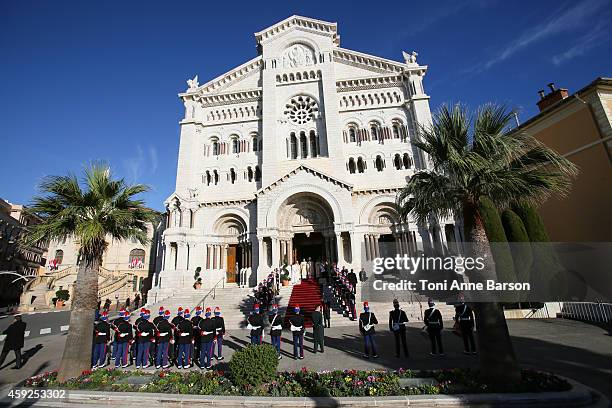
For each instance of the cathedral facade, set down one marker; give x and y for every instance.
(296, 154)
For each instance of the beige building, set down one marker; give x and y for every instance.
(125, 271)
(579, 126)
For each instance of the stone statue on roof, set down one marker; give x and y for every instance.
(410, 58)
(193, 83)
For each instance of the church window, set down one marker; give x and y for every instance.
(216, 177)
(407, 161)
(379, 163)
(351, 165)
(360, 165)
(293, 146)
(232, 176)
(374, 131)
(257, 173)
(301, 109)
(235, 146)
(397, 162)
(352, 135)
(250, 174)
(314, 144)
(396, 130)
(215, 147)
(255, 143)
(208, 178)
(303, 145)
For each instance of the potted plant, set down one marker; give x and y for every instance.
(196, 277)
(284, 278)
(61, 297)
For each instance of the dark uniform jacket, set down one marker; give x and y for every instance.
(464, 315)
(195, 322)
(145, 331)
(157, 320)
(317, 324)
(364, 318)
(124, 332)
(433, 319)
(219, 325)
(164, 331)
(397, 316)
(207, 330)
(276, 320)
(177, 319)
(352, 278)
(184, 332)
(297, 321)
(14, 336)
(101, 332)
(256, 320)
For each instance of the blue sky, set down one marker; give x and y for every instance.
(83, 81)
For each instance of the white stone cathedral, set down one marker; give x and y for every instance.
(298, 153)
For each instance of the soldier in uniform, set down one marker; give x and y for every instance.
(113, 326)
(255, 325)
(185, 341)
(136, 343)
(351, 302)
(318, 329)
(276, 329)
(433, 321)
(397, 325)
(326, 302)
(465, 317)
(175, 322)
(367, 321)
(207, 330)
(297, 330)
(164, 338)
(160, 316)
(195, 322)
(145, 331)
(219, 333)
(101, 338)
(124, 339)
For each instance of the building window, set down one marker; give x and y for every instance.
(374, 131)
(137, 258)
(249, 174)
(255, 143)
(314, 144)
(352, 135)
(397, 162)
(379, 164)
(208, 178)
(303, 145)
(351, 166)
(216, 177)
(257, 173)
(235, 147)
(407, 161)
(59, 256)
(293, 146)
(215, 148)
(232, 176)
(396, 130)
(360, 165)
(301, 109)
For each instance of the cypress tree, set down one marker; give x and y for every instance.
(521, 251)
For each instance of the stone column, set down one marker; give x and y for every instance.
(376, 247)
(356, 250)
(366, 241)
(339, 248)
(168, 264)
(275, 252)
(261, 255)
(290, 252)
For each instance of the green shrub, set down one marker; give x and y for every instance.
(62, 294)
(521, 252)
(253, 365)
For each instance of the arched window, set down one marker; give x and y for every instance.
(249, 174)
(397, 162)
(232, 176)
(255, 143)
(303, 145)
(379, 164)
(351, 165)
(396, 130)
(235, 146)
(257, 173)
(216, 177)
(137, 258)
(374, 130)
(293, 146)
(208, 178)
(407, 161)
(314, 144)
(215, 147)
(360, 165)
(352, 134)
(59, 256)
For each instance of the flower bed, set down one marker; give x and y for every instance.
(303, 383)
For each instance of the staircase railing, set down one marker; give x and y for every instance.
(112, 287)
(212, 291)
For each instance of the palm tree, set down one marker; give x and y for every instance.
(91, 212)
(474, 156)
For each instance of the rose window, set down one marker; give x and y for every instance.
(301, 109)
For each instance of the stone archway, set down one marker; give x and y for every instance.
(233, 251)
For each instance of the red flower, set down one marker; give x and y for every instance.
(221, 373)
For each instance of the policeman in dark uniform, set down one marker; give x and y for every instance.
(125, 338)
(433, 321)
(175, 322)
(164, 338)
(276, 329)
(297, 330)
(397, 325)
(195, 322)
(207, 330)
(185, 341)
(255, 324)
(101, 338)
(145, 331)
(219, 333)
(367, 321)
(465, 317)
(318, 329)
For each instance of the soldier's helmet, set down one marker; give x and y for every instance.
(187, 313)
(198, 310)
(180, 311)
(217, 311)
(104, 316)
(296, 308)
(161, 311)
(256, 307)
(366, 306)
(208, 312)
(147, 314)
(167, 314)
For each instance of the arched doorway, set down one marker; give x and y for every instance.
(234, 248)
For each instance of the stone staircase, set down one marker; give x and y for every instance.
(236, 303)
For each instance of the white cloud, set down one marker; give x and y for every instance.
(597, 36)
(140, 163)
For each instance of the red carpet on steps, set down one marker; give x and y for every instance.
(307, 294)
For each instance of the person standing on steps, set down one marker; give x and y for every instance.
(296, 323)
(145, 331)
(255, 325)
(164, 338)
(175, 322)
(276, 329)
(195, 322)
(464, 317)
(125, 337)
(397, 325)
(326, 304)
(219, 333)
(362, 275)
(318, 329)
(101, 338)
(303, 269)
(367, 321)
(433, 322)
(185, 341)
(207, 329)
